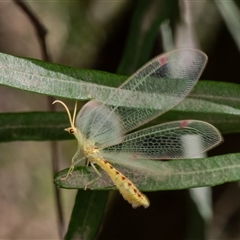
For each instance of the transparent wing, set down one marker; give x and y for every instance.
(166, 141)
(155, 88)
(92, 123)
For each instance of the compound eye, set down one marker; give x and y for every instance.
(71, 131)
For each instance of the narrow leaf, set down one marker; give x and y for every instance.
(151, 175)
(86, 215)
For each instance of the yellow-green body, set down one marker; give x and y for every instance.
(128, 190)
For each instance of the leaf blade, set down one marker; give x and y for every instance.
(169, 175)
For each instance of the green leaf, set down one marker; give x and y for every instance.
(231, 15)
(38, 126)
(86, 215)
(149, 175)
(143, 31)
(214, 102)
(56, 80)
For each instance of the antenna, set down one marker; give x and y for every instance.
(68, 112)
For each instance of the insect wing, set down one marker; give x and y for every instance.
(165, 141)
(156, 87)
(92, 123)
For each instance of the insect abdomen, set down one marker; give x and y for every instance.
(128, 190)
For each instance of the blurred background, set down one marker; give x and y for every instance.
(93, 34)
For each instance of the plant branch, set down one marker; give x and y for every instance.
(41, 33)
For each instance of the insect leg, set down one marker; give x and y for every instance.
(98, 173)
(78, 157)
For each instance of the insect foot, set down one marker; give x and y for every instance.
(68, 174)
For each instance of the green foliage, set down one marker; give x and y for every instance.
(215, 102)
(151, 175)
(211, 101)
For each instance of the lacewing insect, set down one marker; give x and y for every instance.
(100, 128)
